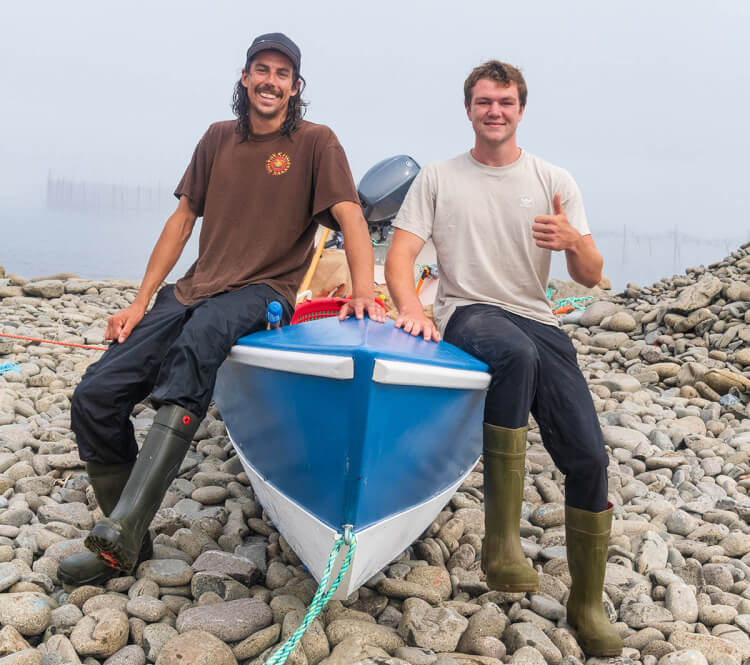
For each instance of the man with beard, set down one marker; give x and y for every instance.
(495, 214)
(261, 183)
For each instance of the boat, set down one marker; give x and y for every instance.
(352, 427)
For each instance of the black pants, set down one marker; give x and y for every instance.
(174, 353)
(534, 369)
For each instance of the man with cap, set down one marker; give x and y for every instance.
(262, 183)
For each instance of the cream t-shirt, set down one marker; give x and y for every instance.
(480, 218)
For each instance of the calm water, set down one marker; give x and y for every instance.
(38, 242)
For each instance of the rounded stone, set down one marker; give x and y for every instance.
(231, 621)
(621, 322)
(210, 495)
(146, 608)
(681, 602)
(132, 654)
(432, 577)
(28, 613)
(101, 634)
(155, 636)
(166, 572)
(195, 647)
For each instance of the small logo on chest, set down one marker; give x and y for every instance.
(526, 202)
(278, 163)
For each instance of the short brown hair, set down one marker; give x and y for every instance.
(500, 72)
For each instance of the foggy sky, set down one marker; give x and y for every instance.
(645, 103)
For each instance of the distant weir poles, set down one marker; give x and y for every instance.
(84, 196)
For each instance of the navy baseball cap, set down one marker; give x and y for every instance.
(278, 42)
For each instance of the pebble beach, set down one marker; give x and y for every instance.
(668, 367)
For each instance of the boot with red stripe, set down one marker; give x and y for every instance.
(118, 539)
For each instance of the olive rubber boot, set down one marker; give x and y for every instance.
(117, 539)
(587, 537)
(108, 481)
(503, 560)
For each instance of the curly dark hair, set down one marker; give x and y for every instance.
(241, 107)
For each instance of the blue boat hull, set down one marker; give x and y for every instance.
(357, 447)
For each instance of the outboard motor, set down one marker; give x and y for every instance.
(382, 191)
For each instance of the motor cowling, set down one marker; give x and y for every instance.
(383, 188)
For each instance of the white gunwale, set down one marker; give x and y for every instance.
(313, 364)
(397, 372)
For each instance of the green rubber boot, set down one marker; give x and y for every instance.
(587, 537)
(108, 481)
(117, 538)
(503, 560)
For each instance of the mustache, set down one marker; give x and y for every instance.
(268, 88)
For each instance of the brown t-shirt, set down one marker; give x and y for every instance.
(260, 200)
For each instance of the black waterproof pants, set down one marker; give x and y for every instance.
(534, 369)
(174, 353)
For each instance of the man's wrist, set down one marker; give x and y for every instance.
(411, 311)
(364, 293)
(142, 300)
(577, 244)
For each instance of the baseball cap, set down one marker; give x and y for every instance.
(278, 42)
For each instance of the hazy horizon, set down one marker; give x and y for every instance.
(644, 103)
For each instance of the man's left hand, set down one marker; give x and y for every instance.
(359, 305)
(555, 231)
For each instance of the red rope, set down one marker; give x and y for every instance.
(50, 341)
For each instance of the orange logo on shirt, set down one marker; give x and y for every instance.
(278, 163)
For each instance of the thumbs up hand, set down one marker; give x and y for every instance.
(555, 231)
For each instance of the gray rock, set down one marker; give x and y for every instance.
(257, 643)
(698, 295)
(76, 514)
(374, 634)
(434, 578)
(146, 608)
(155, 636)
(684, 657)
(58, 650)
(611, 340)
(640, 614)
(652, 554)
(597, 311)
(490, 621)
(438, 628)
(736, 544)
(28, 613)
(25, 657)
(713, 648)
(231, 622)
(546, 607)
(102, 633)
(416, 656)
(210, 495)
(713, 615)
(9, 575)
(166, 572)
(403, 589)
(242, 570)
(621, 322)
(527, 656)
(46, 288)
(196, 647)
(519, 635)
(110, 601)
(681, 523)
(131, 654)
(64, 617)
(548, 515)
(356, 649)
(680, 600)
